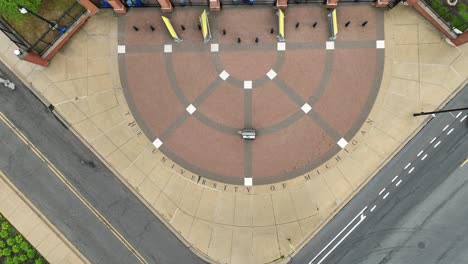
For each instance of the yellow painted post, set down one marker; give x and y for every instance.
(333, 24)
(205, 25)
(170, 28)
(280, 25)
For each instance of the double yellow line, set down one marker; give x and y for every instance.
(67, 183)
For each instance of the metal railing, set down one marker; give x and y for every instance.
(41, 44)
(449, 15)
(13, 35)
(63, 23)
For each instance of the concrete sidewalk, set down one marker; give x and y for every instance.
(238, 224)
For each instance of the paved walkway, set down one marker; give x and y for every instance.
(306, 98)
(234, 223)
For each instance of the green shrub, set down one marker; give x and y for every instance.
(30, 254)
(39, 261)
(23, 258)
(2, 244)
(10, 241)
(19, 238)
(6, 252)
(6, 226)
(462, 8)
(24, 246)
(436, 4)
(9, 10)
(4, 234)
(16, 249)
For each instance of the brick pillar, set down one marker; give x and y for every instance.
(215, 5)
(119, 8)
(461, 39)
(381, 3)
(31, 57)
(281, 4)
(90, 6)
(331, 4)
(166, 6)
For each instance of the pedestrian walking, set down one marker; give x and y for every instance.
(347, 23)
(135, 28)
(364, 23)
(315, 24)
(224, 32)
(151, 27)
(256, 40)
(272, 30)
(238, 40)
(182, 27)
(297, 25)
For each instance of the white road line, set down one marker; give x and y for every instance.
(409, 172)
(420, 152)
(373, 208)
(433, 140)
(407, 165)
(394, 178)
(450, 131)
(385, 196)
(342, 230)
(445, 128)
(424, 157)
(461, 120)
(437, 144)
(398, 183)
(341, 240)
(458, 114)
(381, 191)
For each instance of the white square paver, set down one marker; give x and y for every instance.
(120, 48)
(281, 46)
(214, 47)
(157, 143)
(247, 84)
(191, 109)
(342, 143)
(380, 44)
(247, 181)
(306, 108)
(330, 45)
(224, 75)
(271, 74)
(168, 48)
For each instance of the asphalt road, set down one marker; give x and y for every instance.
(418, 217)
(97, 196)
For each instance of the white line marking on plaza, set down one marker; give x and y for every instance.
(407, 165)
(396, 177)
(381, 191)
(420, 152)
(398, 183)
(424, 157)
(450, 131)
(373, 208)
(341, 240)
(463, 118)
(329, 243)
(445, 128)
(437, 144)
(433, 140)
(385, 196)
(409, 172)
(458, 114)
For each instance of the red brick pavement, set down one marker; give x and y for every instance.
(211, 148)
